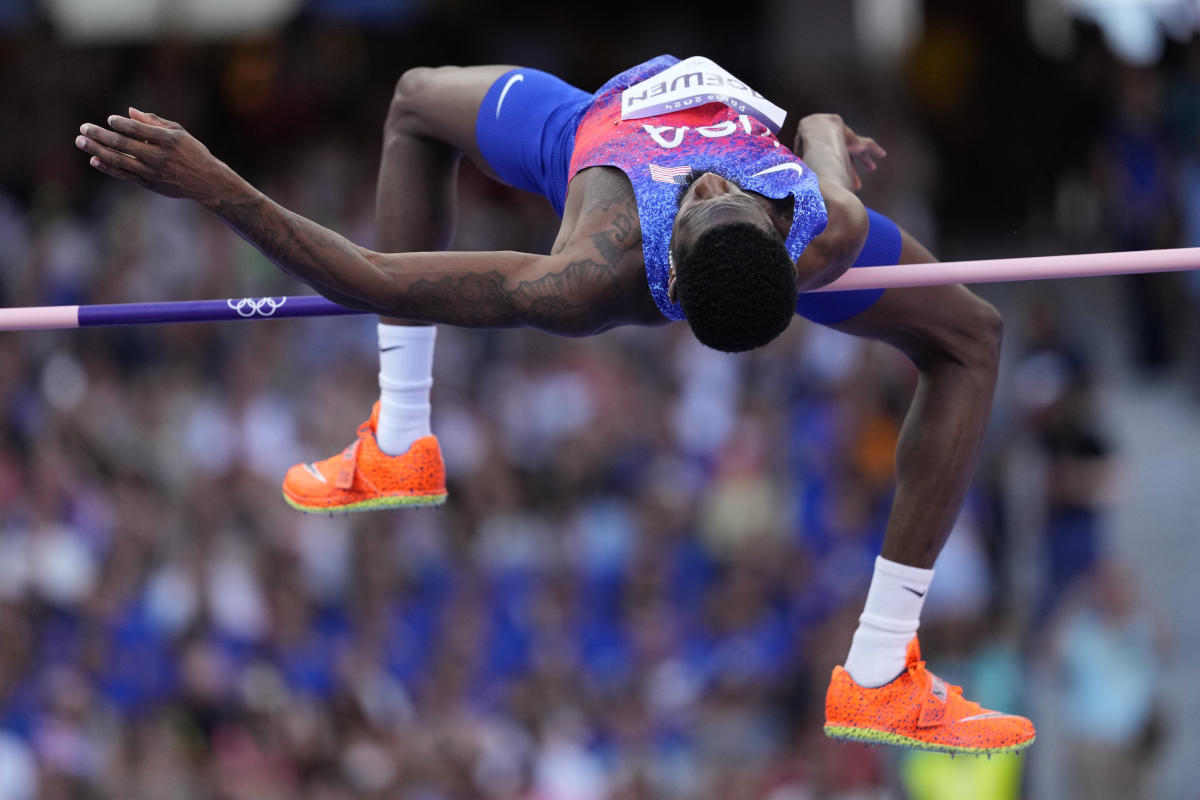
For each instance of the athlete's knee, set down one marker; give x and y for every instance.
(965, 333)
(980, 334)
(411, 98)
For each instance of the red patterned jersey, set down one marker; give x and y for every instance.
(658, 153)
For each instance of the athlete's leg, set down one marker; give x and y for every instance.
(953, 338)
(430, 125)
(396, 460)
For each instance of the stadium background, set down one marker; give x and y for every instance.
(652, 553)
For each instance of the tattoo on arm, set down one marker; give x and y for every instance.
(613, 242)
(559, 302)
(323, 259)
(585, 296)
(589, 294)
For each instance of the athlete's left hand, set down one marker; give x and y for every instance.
(155, 153)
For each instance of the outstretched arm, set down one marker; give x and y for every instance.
(559, 293)
(832, 150)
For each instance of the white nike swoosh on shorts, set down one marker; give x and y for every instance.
(514, 79)
(779, 168)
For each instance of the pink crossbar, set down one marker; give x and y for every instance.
(39, 318)
(986, 271)
(997, 270)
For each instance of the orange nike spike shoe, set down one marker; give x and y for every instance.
(921, 711)
(364, 478)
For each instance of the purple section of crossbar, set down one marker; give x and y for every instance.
(246, 308)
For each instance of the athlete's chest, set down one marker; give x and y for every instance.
(601, 223)
(601, 208)
(712, 135)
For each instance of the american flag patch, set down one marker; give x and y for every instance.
(670, 174)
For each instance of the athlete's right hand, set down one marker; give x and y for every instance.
(863, 150)
(828, 129)
(157, 154)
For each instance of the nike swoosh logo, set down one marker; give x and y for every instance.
(313, 471)
(988, 715)
(514, 79)
(393, 347)
(780, 168)
(914, 591)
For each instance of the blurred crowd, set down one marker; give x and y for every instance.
(653, 553)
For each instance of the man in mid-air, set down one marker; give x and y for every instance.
(678, 202)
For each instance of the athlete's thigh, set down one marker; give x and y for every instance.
(446, 100)
(915, 317)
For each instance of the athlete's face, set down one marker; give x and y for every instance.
(710, 201)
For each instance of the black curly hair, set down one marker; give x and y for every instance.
(737, 286)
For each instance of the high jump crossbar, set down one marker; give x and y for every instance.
(996, 270)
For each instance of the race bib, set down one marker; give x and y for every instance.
(694, 82)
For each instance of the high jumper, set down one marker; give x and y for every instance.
(677, 202)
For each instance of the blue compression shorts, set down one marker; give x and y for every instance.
(526, 133)
(882, 249)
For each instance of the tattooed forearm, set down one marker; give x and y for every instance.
(315, 255)
(580, 291)
(562, 302)
(587, 290)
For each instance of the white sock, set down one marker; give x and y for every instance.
(888, 622)
(405, 378)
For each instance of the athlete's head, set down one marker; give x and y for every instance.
(731, 271)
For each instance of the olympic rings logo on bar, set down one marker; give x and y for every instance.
(256, 307)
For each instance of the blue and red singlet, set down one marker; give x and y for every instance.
(537, 132)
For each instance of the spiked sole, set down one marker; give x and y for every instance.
(374, 504)
(872, 736)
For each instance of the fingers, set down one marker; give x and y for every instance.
(865, 145)
(115, 141)
(856, 144)
(125, 151)
(113, 171)
(150, 118)
(110, 161)
(141, 130)
(871, 151)
(153, 119)
(867, 148)
(865, 161)
(864, 151)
